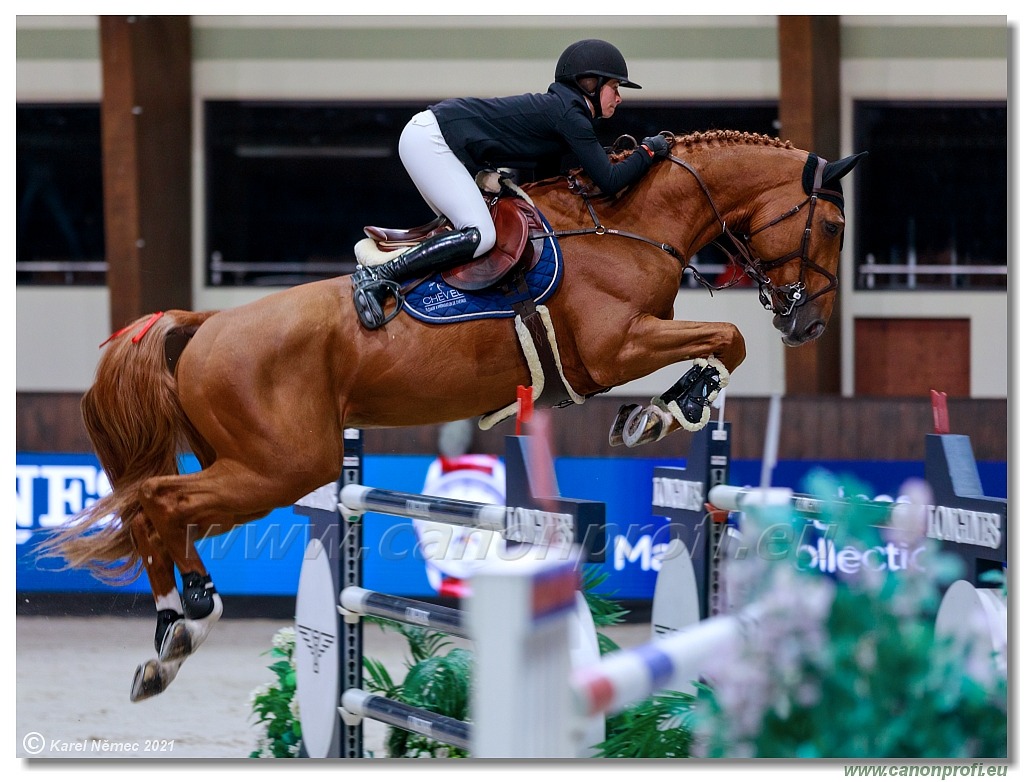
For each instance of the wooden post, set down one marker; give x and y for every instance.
(146, 118)
(809, 58)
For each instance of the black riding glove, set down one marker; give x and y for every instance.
(656, 146)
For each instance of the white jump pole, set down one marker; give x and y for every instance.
(670, 662)
(771, 441)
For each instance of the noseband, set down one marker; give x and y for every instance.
(779, 299)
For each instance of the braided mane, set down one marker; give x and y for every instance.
(709, 138)
(716, 138)
(724, 137)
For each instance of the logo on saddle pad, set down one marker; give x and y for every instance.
(435, 301)
(441, 297)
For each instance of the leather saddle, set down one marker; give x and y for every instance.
(514, 221)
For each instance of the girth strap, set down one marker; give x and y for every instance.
(555, 393)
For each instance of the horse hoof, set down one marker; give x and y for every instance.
(147, 682)
(152, 678)
(619, 424)
(635, 426)
(177, 644)
(645, 425)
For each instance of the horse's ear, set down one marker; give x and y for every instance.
(837, 170)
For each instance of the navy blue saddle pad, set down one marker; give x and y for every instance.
(435, 301)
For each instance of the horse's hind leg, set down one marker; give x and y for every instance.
(183, 621)
(187, 508)
(153, 676)
(200, 603)
(180, 633)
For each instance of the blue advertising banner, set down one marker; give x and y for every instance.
(264, 558)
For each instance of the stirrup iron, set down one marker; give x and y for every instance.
(369, 293)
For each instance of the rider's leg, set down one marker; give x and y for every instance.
(448, 188)
(370, 288)
(442, 180)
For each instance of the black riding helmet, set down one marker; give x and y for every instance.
(593, 57)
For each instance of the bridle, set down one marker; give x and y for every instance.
(779, 299)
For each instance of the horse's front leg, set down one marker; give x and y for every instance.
(686, 405)
(715, 348)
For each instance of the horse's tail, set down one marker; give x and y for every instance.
(137, 428)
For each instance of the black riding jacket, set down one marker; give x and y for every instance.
(521, 130)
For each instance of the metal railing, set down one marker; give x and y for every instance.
(913, 270)
(219, 268)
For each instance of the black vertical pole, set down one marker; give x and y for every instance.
(684, 490)
(350, 556)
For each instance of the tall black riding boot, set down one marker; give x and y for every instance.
(371, 286)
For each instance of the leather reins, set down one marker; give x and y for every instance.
(779, 299)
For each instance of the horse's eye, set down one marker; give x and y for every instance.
(832, 229)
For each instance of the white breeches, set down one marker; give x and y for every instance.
(445, 184)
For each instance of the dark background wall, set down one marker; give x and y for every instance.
(813, 427)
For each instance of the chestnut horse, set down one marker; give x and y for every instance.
(261, 393)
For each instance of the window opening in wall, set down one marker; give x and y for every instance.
(59, 186)
(290, 185)
(932, 195)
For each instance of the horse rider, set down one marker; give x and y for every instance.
(445, 146)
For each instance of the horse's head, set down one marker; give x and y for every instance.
(793, 255)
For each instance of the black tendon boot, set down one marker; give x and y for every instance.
(198, 595)
(371, 286)
(689, 400)
(164, 620)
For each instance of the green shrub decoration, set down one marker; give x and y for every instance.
(657, 727)
(849, 667)
(275, 706)
(435, 680)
